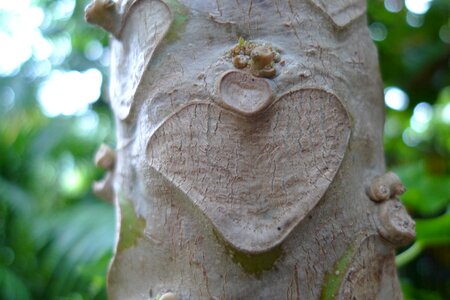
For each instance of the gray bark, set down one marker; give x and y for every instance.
(248, 168)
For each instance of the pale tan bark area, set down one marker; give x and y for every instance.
(258, 184)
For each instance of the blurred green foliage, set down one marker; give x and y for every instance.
(56, 238)
(415, 57)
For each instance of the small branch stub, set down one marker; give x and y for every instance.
(262, 59)
(104, 14)
(105, 157)
(259, 59)
(395, 225)
(385, 187)
(103, 188)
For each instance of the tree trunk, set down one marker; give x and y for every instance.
(249, 152)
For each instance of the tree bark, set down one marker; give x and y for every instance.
(249, 160)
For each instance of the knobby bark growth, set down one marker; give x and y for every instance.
(249, 159)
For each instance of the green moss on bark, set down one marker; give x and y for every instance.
(180, 17)
(253, 264)
(131, 228)
(333, 280)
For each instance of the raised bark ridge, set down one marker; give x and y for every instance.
(134, 49)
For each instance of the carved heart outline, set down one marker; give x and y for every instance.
(342, 12)
(255, 179)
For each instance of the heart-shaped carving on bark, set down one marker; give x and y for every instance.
(342, 12)
(255, 179)
(244, 93)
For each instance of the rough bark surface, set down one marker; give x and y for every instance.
(254, 183)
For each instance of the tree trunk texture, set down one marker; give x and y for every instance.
(249, 159)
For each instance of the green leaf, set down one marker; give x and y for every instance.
(410, 292)
(426, 193)
(435, 231)
(429, 232)
(11, 286)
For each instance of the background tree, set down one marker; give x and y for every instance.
(56, 238)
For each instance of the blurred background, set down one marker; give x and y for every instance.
(56, 237)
